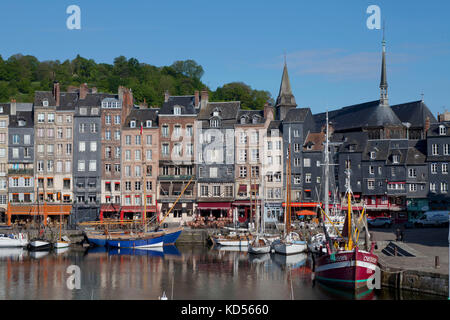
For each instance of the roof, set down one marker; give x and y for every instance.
(274, 125)
(417, 152)
(187, 104)
(21, 115)
(381, 149)
(315, 140)
(435, 132)
(227, 110)
(363, 115)
(356, 140)
(250, 116)
(297, 115)
(285, 96)
(142, 115)
(415, 113)
(94, 99)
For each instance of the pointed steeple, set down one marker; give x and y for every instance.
(384, 99)
(286, 99)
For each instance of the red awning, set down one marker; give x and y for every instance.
(138, 209)
(214, 205)
(255, 187)
(302, 204)
(306, 213)
(242, 188)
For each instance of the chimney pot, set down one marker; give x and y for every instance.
(197, 98)
(204, 98)
(13, 107)
(166, 96)
(83, 90)
(56, 92)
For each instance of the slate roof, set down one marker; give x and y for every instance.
(415, 112)
(434, 129)
(142, 115)
(368, 114)
(94, 99)
(250, 115)
(285, 96)
(21, 115)
(381, 149)
(274, 125)
(228, 112)
(417, 152)
(356, 139)
(187, 104)
(5, 107)
(297, 115)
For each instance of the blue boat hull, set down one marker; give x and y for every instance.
(97, 242)
(145, 242)
(171, 237)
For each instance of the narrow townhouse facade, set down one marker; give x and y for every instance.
(4, 123)
(250, 133)
(111, 127)
(140, 163)
(272, 173)
(53, 118)
(215, 162)
(416, 178)
(438, 159)
(21, 176)
(176, 163)
(87, 157)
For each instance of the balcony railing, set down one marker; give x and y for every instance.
(175, 177)
(21, 171)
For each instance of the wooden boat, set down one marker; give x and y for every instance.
(232, 239)
(13, 240)
(63, 241)
(171, 235)
(136, 240)
(345, 265)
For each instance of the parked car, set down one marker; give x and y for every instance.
(433, 218)
(380, 222)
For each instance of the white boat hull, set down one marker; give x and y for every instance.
(259, 250)
(19, 240)
(233, 243)
(61, 244)
(289, 248)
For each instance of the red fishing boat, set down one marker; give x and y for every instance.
(345, 265)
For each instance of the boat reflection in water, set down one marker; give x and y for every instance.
(260, 258)
(15, 253)
(60, 251)
(38, 254)
(293, 261)
(338, 293)
(151, 252)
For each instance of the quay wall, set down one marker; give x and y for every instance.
(414, 280)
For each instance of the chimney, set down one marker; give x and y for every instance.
(120, 92)
(204, 98)
(197, 98)
(13, 107)
(427, 125)
(56, 92)
(166, 96)
(268, 111)
(94, 90)
(83, 90)
(127, 101)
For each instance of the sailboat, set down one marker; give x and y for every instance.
(259, 245)
(39, 243)
(345, 264)
(64, 241)
(291, 243)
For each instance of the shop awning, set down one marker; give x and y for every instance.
(214, 205)
(255, 187)
(302, 204)
(242, 188)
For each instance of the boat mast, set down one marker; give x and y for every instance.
(288, 190)
(349, 212)
(326, 187)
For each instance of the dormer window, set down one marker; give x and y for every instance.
(442, 130)
(148, 123)
(255, 120)
(104, 104)
(45, 103)
(94, 111)
(21, 122)
(214, 123)
(1, 109)
(396, 158)
(216, 113)
(372, 155)
(351, 147)
(243, 120)
(177, 110)
(309, 146)
(83, 111)
(133, 124)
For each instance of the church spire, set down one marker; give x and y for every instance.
(383, 83)
(286, 99)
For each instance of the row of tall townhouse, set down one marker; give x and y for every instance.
(100, 155)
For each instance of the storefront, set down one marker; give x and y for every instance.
(215, 209)
(244, 209)
(273, 212)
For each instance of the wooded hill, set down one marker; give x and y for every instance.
(21, 75)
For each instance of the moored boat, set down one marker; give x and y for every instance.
(39, 245)
(259, 246)
(13, 240)
(136, 240)
(232, 239)
(171, 235)
(291, 244)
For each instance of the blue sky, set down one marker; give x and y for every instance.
(333, 58)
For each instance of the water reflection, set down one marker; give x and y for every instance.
(194, 272)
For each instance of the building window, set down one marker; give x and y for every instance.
(297, 179)
(412, 187)
(371, 170)
(189, 131)
(445, 168)
(308, 178)
(92, 165)
(434, 168)
(81, 146)
(255, 171)
(444, 187)
(81, 165)
(412, 173)
(213, 172)
(432, 187)
(446, 149)
(307, 162)
(442, 130)
(435, 149)
(165, 131)
(396, 158)
(242, 172)
(165, 149)
(177, 110)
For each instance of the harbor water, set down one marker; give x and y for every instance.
(182, 272)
